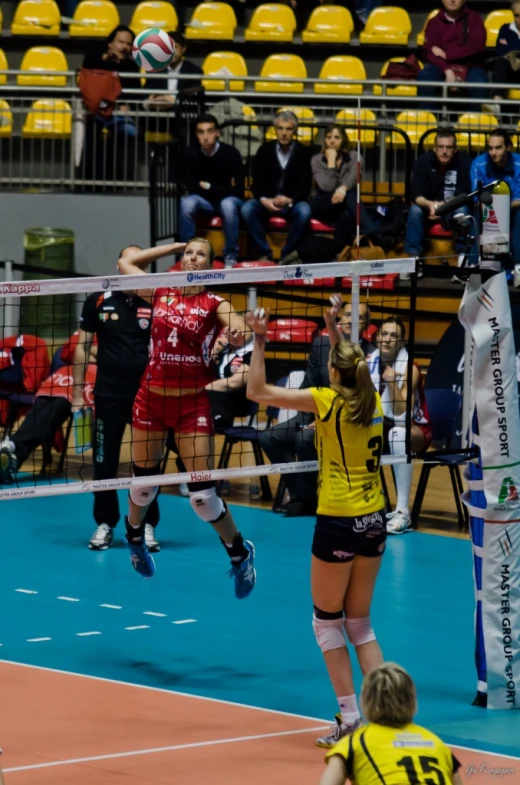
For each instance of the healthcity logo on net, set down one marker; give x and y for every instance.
(204, 277)
(19, 288)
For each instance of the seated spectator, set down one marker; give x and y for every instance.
(294, 439)
(227, 394)
(281, 185)
(213, 175)
(388, 367)
(117, 57)
(499, 163)
(179, 66)
(52, 407)
(454, 45)
(437, 176)
(507, 55)
(335, 197)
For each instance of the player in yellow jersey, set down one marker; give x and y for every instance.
(349, 538)
(391, 749)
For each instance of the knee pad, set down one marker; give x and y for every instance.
(144, 494)
(397, 440)
(359, 631)
(328, 629)
(207, 505)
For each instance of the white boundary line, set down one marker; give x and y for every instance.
(173, 748)
(248, 275)
(216, 700)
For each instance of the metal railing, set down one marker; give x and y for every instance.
(61, 147)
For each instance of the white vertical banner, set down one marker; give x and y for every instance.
(486, 313)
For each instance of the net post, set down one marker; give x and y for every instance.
(354, 304)
(11, 305)
(252, 299)
(411, 349)
(466, 389)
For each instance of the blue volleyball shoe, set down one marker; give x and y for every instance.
(244, 573)
(142, 560)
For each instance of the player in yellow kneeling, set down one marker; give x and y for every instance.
(390, 749)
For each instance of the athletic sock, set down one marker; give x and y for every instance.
(134, 533)
(349, 709)
(402, 471)
(236, 550)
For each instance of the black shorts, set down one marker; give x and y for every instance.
(338, 539)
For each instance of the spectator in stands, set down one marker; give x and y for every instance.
(294, 439)
(499, 163)
(437, 176)
(281, 185)
(454, 45)
(335, 176)
(507, 63)
(52, 407)
(227, 394)
(363, 9)
(388, 367)
(179, 66)
(213, 175)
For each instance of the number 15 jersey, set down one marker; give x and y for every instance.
(349, 457)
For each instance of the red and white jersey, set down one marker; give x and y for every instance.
(60, 384)
(184, 329)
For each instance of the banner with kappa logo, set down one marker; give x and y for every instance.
(494, 482)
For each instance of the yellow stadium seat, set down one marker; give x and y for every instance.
(306, 134)
(224, 64)
(367, 137)
(36, 17)
(494, 21)
(405, 89)
(473, 123)
(212, 21)
(154, 13)
(341, 71)
(513, 95)
(414, 124)
(3, 66)
(329, 24)
(420, 36)
(387, 25)
(94, 19)
(6, 119)
(43, 58)
(48, 119)
(273, 22)
(1, 19)
(282, 67)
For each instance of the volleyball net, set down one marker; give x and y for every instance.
(49, 449)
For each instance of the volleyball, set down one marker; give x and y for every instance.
(153, 49)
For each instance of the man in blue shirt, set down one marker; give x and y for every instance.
(499, 163)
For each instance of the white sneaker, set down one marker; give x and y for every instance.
(398, 523)
(337, 732)
(150, 540)
(516, 276)
(183, 489)
(8, 462)
(102, 538)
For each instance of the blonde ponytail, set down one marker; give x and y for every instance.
(355, 383)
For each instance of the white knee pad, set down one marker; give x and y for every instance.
(143, 495)
(328, 632)
(397, 440)
(359, 631)
(207, 505)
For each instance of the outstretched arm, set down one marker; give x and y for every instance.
(134, 264)
(257, 388)
(330, 317)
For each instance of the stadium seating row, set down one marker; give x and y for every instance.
(52, 118)
(342, 74)
(217, 21)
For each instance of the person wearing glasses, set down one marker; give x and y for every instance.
(438, 175)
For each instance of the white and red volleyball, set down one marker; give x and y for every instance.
(153, 49)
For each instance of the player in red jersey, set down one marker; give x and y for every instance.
(186, 322)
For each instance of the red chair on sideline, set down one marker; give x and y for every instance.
(291, 330)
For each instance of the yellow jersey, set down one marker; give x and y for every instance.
(410, 755)
(349, 457)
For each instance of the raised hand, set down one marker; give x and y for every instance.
(331, 313)
(258, 320)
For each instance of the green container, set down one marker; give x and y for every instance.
(49, 316)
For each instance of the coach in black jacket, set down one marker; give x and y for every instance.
(281, 184)
(295, 438)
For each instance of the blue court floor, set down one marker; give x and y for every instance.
(63, 606)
